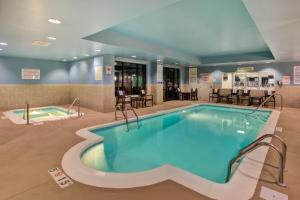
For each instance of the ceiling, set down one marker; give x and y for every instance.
(189, 32)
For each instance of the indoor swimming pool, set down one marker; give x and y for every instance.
(201, 140)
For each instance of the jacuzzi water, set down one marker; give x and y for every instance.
(43, 113)
(201, 140)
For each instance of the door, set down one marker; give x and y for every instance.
(171, 83)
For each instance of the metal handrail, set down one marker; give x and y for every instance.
(76, 100)
(119, 108)
(283, 144)
(26, 112)
(280, 179)
(266, 100)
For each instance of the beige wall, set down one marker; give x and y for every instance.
(14, 96)
(157, 91)
(291, 95)
(97, 97)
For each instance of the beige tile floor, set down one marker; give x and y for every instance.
(27, 152)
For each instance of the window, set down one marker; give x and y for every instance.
(130, 77)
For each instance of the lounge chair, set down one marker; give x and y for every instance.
(257, 96)
(244, 96)
(146, 97)
(224, 95)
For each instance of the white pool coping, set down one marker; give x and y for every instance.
(241, 185)
(16, 119)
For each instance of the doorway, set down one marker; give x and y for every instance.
(171, 83)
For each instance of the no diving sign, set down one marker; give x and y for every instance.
(59, 177)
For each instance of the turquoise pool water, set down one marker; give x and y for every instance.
(201, 140)
(44, 113)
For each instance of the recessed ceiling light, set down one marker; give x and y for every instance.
(133, 56)
(54, 21)
(268, 62)
(3, 44)
(51, 38)
(87, 55)
(65, 60)
(158, 60)
(98, 50)
(75, 57)
(1, 49)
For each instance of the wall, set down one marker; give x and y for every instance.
(291, 93)
(51, 89)
(95, 94)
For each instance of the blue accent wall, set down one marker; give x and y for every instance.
(51, 71)
(280, 69)
(83, 71)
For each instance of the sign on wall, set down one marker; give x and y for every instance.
(286, 80)
(108, 69)
(30, 74)
(159, 73)
(296, 74)
(193, 75)
(98, 73)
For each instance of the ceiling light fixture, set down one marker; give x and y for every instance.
(51, 38)
(268, 62)
(75, 57)
(133, 56)
(176, 63)
(1, 49)
(87, 55)
(54, 21)
(158, 60)
(3, 44)
(98, 50)
(65, 60)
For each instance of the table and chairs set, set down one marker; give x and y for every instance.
(192, 95)
(136, 101)
(241, 96)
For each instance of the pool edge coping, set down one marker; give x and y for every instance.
(72, 165)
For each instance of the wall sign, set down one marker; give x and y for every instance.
(286, 80)
(193, 75)
(98, 73)
(59, 177)
(296, 74)
(159, 77)
(108, 69)
(30, 74)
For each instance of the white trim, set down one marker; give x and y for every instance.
(241, 185)
(12, 116)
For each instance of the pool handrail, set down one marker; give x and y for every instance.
(255, 145)
(76, 100)
(121, 109)
(266, 100)
(26, 112)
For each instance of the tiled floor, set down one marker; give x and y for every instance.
(27, 152)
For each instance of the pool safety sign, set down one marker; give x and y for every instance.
(59, 177)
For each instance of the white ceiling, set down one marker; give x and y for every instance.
(279, 23)
(22, 22)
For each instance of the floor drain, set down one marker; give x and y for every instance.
(269, 194)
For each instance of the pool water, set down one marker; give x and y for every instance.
(201, 140)
(43, 113)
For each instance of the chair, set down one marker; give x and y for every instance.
(122, 99)
(146, 97)
(268, 93)
(244, 95)
(224, 95)
(179, 93)
(257, 96)
(194, 94)
(214, 95)
(234, 96)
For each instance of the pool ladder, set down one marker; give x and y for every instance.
(76, 100)
(124, 110)
(257, 144)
